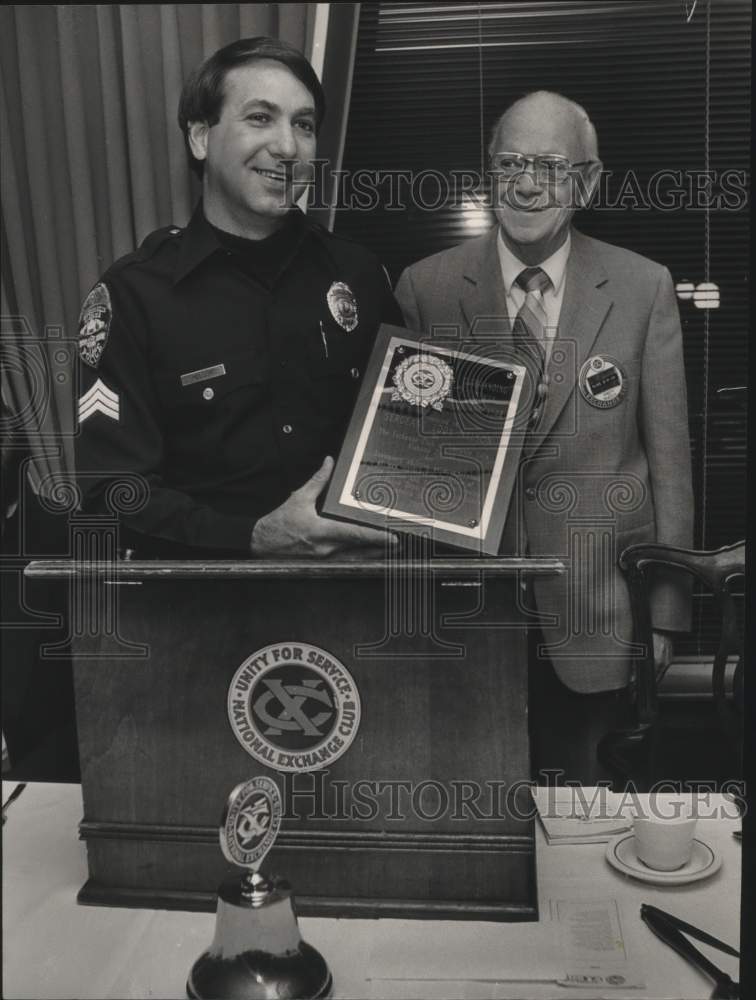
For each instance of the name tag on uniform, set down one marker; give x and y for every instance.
(203, 374)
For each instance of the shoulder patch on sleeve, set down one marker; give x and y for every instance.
(94, 324)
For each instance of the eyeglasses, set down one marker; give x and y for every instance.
(547, 167)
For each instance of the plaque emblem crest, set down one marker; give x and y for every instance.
(603, 382)
(423, 380)
(294, 706)
(343, 305)
(94, 325)
(251, 821)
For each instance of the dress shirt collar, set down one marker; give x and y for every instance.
(555, 265)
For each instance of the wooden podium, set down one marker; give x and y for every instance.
(420, 807)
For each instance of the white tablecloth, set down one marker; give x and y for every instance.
(54, 948)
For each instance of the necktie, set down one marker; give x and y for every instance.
(529, 330)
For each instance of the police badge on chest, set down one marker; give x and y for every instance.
(343, 305)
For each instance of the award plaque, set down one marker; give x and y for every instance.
(434, 442)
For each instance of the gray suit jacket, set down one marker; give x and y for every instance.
(592, 480)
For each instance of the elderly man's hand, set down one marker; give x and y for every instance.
(296, 529)
(662, 653)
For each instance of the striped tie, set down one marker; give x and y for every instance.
(529, 330)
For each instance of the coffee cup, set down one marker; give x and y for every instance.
(664, 837)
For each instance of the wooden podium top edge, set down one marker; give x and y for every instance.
(195, 569)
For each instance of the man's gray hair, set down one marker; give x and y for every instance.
(583, 124)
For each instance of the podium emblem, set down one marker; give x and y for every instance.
(293, 707)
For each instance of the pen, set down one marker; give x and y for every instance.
(12, 797)
(670, 929)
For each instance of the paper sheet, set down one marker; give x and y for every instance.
(479, 951)
(592, 945)
(582, 815)
(575, 943)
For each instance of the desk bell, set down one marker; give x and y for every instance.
(257, 952)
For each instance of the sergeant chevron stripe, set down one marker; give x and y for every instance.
(99, 397)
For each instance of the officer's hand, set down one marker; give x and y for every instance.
(296, 529)
(662, 653)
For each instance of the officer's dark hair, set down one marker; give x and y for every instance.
(204, 92)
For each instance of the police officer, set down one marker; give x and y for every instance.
(220, 362)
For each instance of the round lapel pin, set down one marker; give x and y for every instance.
(603, 382)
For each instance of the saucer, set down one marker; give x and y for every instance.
(704, 861)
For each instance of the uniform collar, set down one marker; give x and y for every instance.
(200, 242)
(554, 266)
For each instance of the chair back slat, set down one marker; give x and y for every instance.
(720, 571)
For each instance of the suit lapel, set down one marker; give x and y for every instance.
(584, 308)
(482, 300)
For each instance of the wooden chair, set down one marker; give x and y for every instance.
(632, 752)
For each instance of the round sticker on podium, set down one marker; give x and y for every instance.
(294, 706)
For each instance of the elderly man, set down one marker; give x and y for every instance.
(219, 362)
(606, 455)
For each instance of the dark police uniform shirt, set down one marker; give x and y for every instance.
(217, 373)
